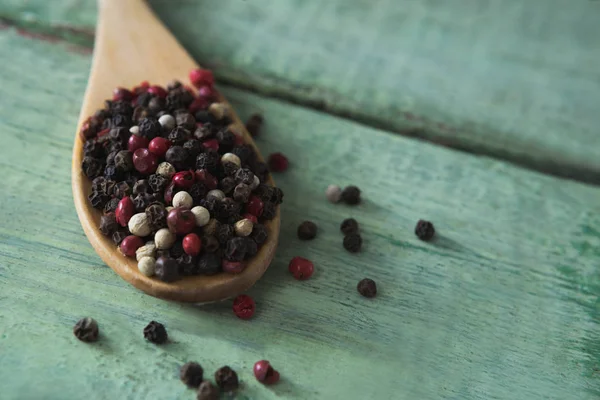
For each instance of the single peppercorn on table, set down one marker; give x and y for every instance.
(502, 304)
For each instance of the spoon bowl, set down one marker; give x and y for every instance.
(133, 46)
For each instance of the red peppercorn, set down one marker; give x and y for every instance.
(184, 179)
(144, 161)
(192, 244)
(255, 206)
(159, 146)
(125, 210)
(251, 218)
(201, 77)
(141, 88)
(198, 104)
(136, 142)
(122, 94)
(265, 373)
(301, 268)
(233, 267)
(244, 306)
(207, 92)
(207, 179)
(278, 162)
(211, 144)
(157, 91)
(130, 244)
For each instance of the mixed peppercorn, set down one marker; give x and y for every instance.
(178, 187)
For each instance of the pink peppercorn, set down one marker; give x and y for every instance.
(184, 179)
(244, 306)
(192, 244)
(255, 206)
(159, 146)
(207, 92)
(233, 267)
(265, 373)
(136, 142)
(198, 104)
(130, 244)
(201, 77)
(157, 91)
(144, 161)
(278, 162)
(124, 211)
(211, 144)
(141, 88)
(301, 268)
(122, 94)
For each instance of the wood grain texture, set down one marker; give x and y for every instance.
(511, 79)
(503, 306)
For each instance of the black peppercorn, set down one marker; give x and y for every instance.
(209, 264)
(227, 208)
(204, 132)
(121, 189)
(349, 226)
(367, 288)
(277, 196)
(224, 233)
(167, 269)
(353, 242)
(162, 253)
(208, 161)
(226, 379)
(179, 98)
(177, 249)
(120, 120)
(227, 184)
(236, 249)
(98, 200)
(91, 127)
(111, 205)
(210, 203)
(92, 148)
(197, 191)
(118, 236)
(229, 168)
(207, 391)
(269, 210)
(86, 330)
(187, 265)
(139, 114)
(179, 135)
(251, 247)
(174, 84)
(124, 160)
(307, 230)
(92, 167)
(158, 183)
(185, 120)
(99, 183)
(191, 374)
(143, 99)
(226, 140)
(157, 216)
(259, 233)
(244, 175)
(121, 107)
(261, 170)
(254, 124)
(115, 147)
(193, 147)
(113, 173)
(119, 134)
(141, 186)
(110, 158)
(210, 244)
(156, 333)
(156, 104)
(424, 230)
(108, 224)
(241, 193)
(178, 157)
(351, 195)
(265, 192)
(245, 152)
(143, 200)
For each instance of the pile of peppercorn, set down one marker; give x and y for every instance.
(178, 187)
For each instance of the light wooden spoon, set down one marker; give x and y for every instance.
(132, 46)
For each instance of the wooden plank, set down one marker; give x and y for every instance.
(515, 80)
(502, 306)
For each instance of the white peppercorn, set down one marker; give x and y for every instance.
(183, 199)
(219, 110)
(255, 183)
(134, 130)
(165, 169)
(216, 193)
(146, 266)
(164, 239)
(147, 250)
(167, 121)
(139, 225)
(243, 227)
(232, 158)
(202, 215)
(333, 193)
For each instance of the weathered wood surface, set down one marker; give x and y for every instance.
(503, 306)
(512, 79)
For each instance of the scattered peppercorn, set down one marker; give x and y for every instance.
(86, 330)
(244, 306)
(191, 374)
(254, 124)
(155, 332)
(349, 226)
(424, 230)
(265, 373)
(226, 379)
(353, 242)
(278, 162)
(367, 288)
(207, 391)
(351, 195)
(301, 268)
(307, 230)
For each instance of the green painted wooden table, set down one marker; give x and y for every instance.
(504, 305)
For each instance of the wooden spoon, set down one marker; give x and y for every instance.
(132, 45)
